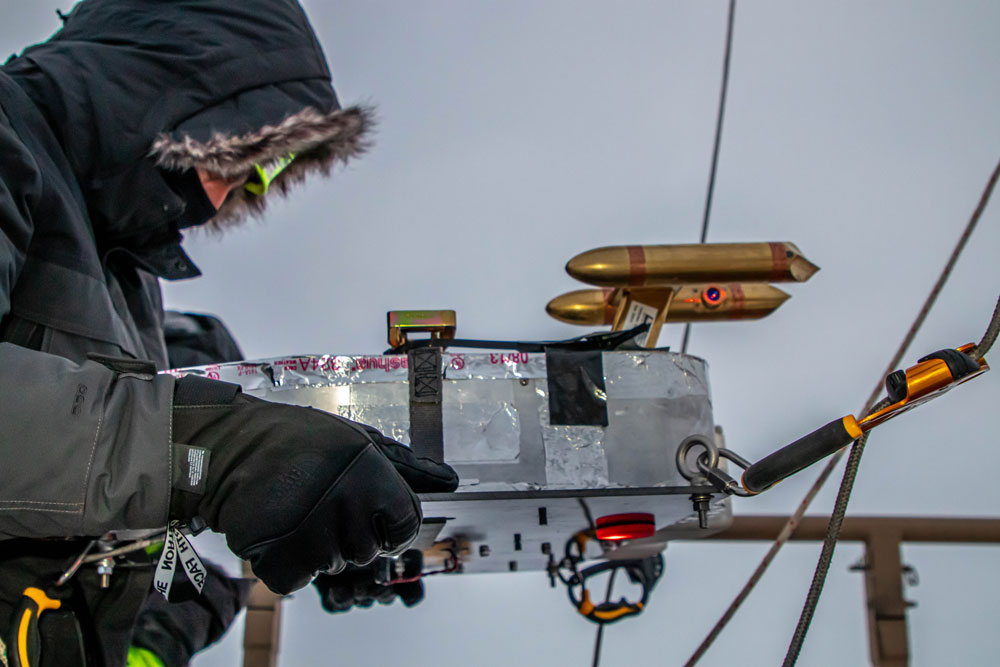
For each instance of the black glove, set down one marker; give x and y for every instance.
(295, 490)
(362, 586)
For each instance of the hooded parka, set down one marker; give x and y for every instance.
(101, 129)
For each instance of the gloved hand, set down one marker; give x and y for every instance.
(357, 586)
(296, 491)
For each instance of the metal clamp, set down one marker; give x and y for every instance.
(719, 478)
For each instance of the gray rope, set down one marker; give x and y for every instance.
(793, 520)
(840, 508)
(829, 544)
(989, 337)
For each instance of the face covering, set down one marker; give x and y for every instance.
(198, 207)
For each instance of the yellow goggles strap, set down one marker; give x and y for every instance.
(261, 177)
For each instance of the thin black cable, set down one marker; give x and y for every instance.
(945, 274)
(793, 521)
(844, 494)
(840, 510)
(600, 626)
(718, 140)
(829, 544)
(586, 512)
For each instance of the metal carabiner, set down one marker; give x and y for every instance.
(720, 479)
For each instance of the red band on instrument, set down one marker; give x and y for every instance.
(636, 265)
(610, 309)
(739, 298)
(779, 262)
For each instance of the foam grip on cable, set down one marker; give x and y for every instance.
(802, 453)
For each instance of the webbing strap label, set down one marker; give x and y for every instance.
(178, 552)
(426, 424)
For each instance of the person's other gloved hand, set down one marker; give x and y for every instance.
(357, 586)
(296, 491)
(174, 632)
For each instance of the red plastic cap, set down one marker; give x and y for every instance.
(632, 526)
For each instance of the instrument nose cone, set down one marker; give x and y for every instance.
(590, 307)
(800, 268)
(609, 266)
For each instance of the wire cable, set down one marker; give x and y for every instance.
(829, 544)
(840, 509)
(718, 140)
(796, 517)
(854, 460)
(989, 337)
(939, 285)
(600, 626)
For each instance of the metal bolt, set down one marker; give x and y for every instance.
(105, 568)
(701, 506)
(524, 383)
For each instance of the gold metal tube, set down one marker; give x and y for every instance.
(621, 266)
(692, 303)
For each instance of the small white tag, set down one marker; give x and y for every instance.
(177, 549)
(639, 313)
(196, 462)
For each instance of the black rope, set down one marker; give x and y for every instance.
(844, 494)
(718, 141)
(840, 510)
(789, 527)
(600, 626)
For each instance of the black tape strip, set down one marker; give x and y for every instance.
(426, 431)
(576, 388)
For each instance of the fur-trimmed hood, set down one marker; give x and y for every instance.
(132, 87)
(317, 140)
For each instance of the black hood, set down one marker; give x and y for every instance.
(130, 87)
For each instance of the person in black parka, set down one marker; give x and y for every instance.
(137, 120)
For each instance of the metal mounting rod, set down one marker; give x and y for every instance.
(887, 634)
(860, 529)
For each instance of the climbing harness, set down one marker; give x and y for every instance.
(644, 572)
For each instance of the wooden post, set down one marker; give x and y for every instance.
(888, 639)
(263, 625)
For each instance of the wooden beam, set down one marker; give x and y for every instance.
(888, 640)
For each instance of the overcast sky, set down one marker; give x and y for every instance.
(513, 135)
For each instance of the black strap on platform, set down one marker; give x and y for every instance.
(426, 430)
(602, 340)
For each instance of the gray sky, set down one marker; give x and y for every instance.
(516, 134)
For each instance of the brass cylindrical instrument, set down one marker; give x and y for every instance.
(653, 265)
